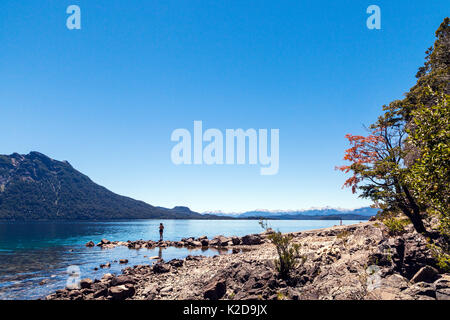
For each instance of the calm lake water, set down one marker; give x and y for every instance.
(32, 252)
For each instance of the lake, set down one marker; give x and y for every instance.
(31, 252)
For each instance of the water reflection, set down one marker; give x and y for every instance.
(32, 274)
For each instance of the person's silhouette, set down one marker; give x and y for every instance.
(161, 231)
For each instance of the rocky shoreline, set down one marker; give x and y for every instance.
(344, 262)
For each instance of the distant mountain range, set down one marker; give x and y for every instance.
(36, 187)
(310, 214)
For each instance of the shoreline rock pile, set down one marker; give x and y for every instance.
(354, 262)
(203, 241)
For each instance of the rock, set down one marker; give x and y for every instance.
(107, 276)
(150, 291)
(215, 289)
(442, 287)
(90, 244)
(106, 265)
(122, 292)
(86, 283)
(177, 263)
(251, 239)
(202, 238)
(99, 289)
(221, 241)
(235, 240)
(154, 258)
(103, 242)
(396, 281)
(425, 274)
(204, 242)
(164, 291)
(45, 281)
(372, 218)
(421, 290)
(121, 280)
(75, 294)
(416, 255)
(102, 292)
(195, 244)
(161, 268)
(123, 261)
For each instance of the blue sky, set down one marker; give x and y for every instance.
(107, 97)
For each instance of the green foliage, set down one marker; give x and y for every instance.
(289, 257)
(429, 174)
(403, 165)
(442, 257)
(343, 234)
(396, 226)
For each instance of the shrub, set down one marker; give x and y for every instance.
(396, 226)
(289, 256)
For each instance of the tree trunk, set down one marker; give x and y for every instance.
(415, 217)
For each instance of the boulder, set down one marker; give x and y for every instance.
(103, 242)
(101, 292)
(150, 291)
(90, 244)
(236, 241)
(204, 242)
(215, 289)
(214, 242)
(123, 261)
(442, 287)
(121, 280)
(251, 239)
(425, 274)
(45, 281)
(177, 263)
(421, 290)
(222, 241)
(161, 268)
(86, 283)
(107, 276)
(122, 292)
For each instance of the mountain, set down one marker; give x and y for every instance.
(309, 214)
(36, 187)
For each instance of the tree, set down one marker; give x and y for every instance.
(379, 171)
(403, 164)
(429, 174)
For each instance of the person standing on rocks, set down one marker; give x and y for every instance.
(161, 231)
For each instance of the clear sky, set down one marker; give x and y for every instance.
(107, 97)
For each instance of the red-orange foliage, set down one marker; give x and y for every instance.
(364, 152)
